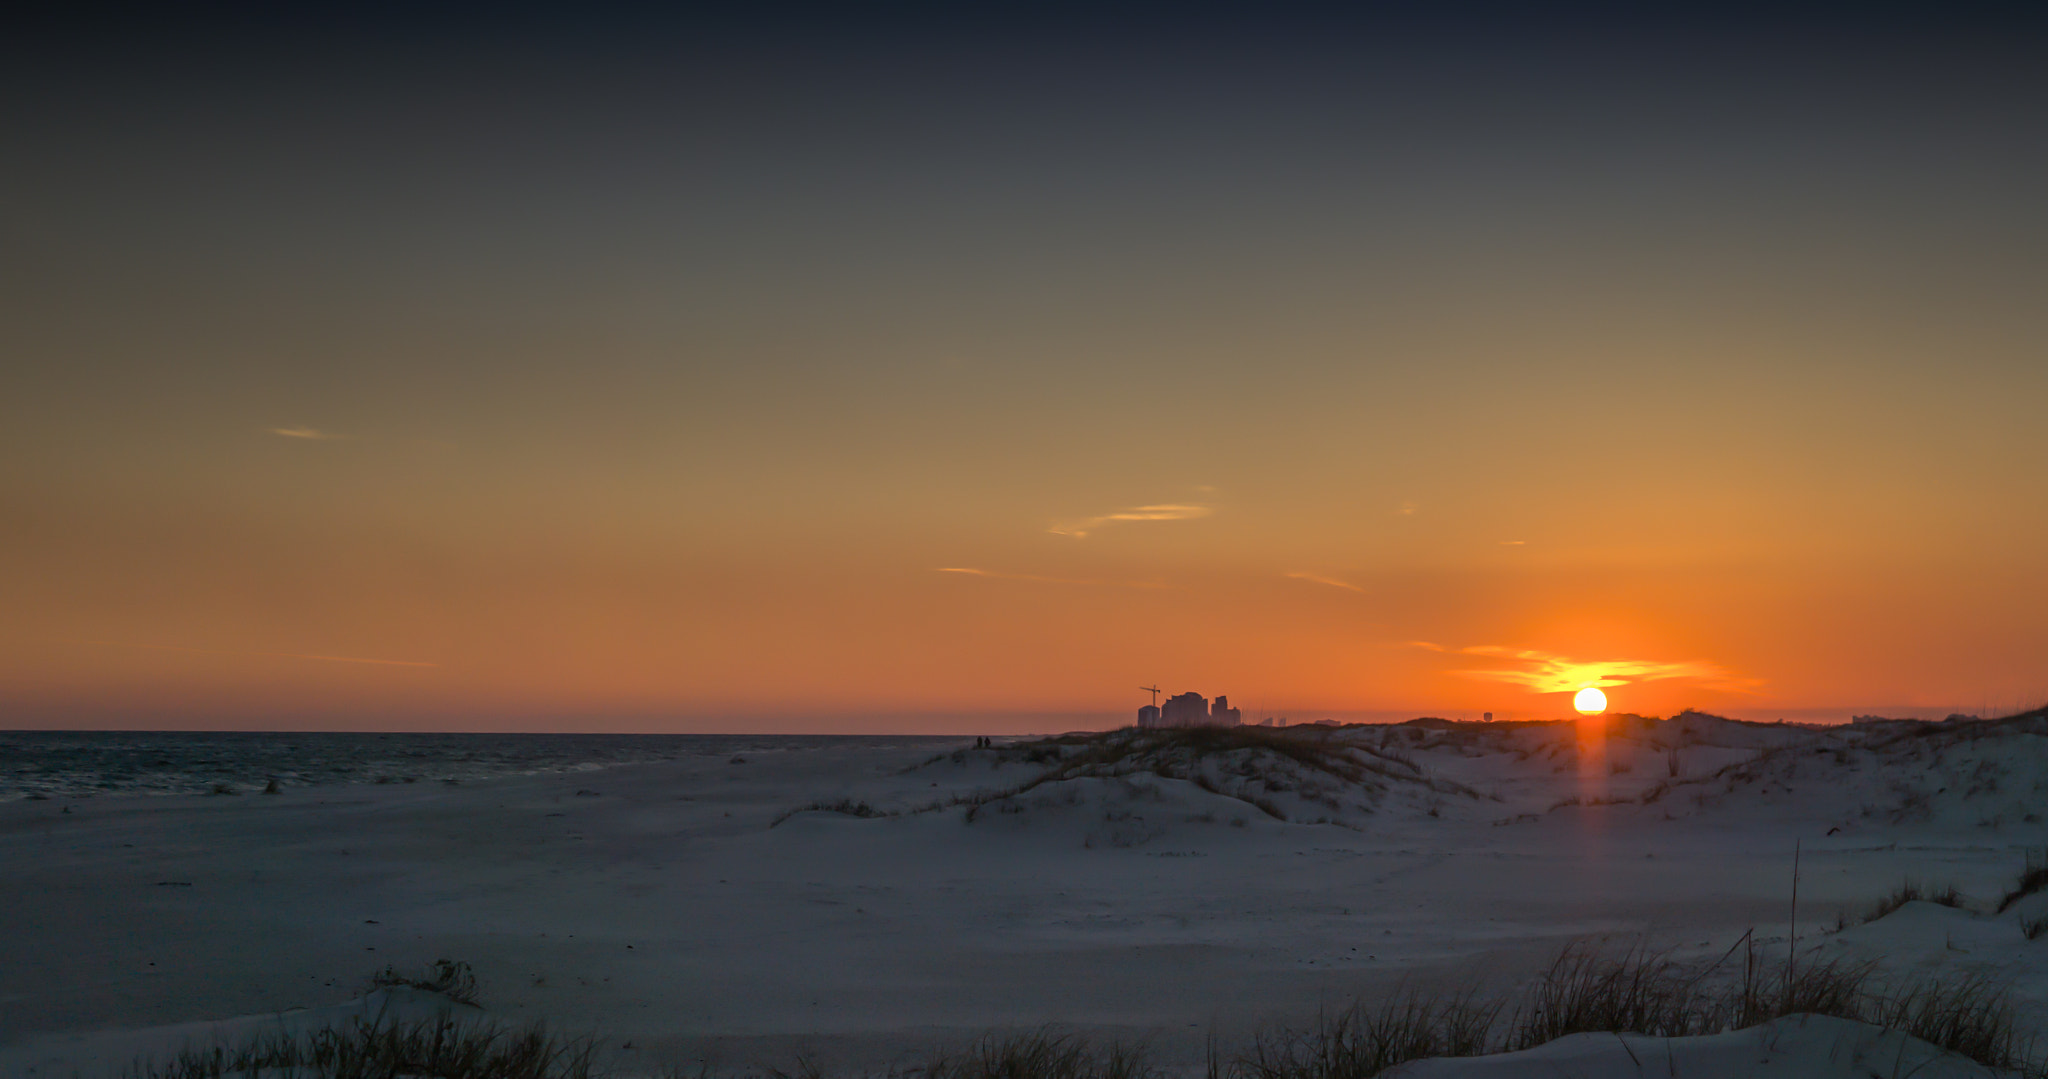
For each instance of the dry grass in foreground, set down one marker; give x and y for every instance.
(1044, 1054)
(377, 1049)
(1366, 1040)
(1590, 990)
(1586, 989)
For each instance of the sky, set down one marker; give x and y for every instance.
(800, 371)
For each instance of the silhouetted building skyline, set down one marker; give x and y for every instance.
(1191, 709)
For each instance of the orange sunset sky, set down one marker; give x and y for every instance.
(965, 377)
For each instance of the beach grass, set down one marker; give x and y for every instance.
(844, 806)
(441, 1048)
(2034, 879)
(1248, 764)
(1586, 990)
(1366, 1039)
(1043, 1054)
(1910, 891)
(1971, 1015)
(1589, 987)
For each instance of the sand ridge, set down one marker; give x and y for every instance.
(683, 907)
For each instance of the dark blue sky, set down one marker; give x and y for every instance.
(809, 363)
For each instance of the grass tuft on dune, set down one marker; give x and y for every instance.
(1971, 1015)
(844, 806)
(1330, 769)
(376, 1049)
(2034, 879)
(1043, 1054)
(1587, 988)
(1365, 1040)
(1910, 891)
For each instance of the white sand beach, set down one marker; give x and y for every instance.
(683, 913)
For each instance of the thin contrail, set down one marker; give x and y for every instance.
(1319, 579)
(1000, 576)
(272, 655)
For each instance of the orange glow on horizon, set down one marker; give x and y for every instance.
(1054, 389)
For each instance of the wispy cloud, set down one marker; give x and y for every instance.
(351, 659)
(1514, 543)
(1318, 579)
(1546, 672)
(1172, 512)
(265, 655)
(1001, 576)
(311, 434)
(1408, 509)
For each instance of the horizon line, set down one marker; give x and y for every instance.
(821, 726)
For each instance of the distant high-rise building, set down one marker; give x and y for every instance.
(1190, 709)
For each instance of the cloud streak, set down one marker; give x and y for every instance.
(1317, 579)
(310, 434)
(1546, 672)
(1001, 576)
(1164, 512)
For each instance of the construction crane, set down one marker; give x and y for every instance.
(1154, 691)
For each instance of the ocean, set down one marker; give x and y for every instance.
(76, 764)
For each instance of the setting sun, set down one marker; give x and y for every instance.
(970, 463)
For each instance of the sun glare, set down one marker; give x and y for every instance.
(1590, 701)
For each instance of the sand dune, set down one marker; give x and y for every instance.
(1164, 889)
